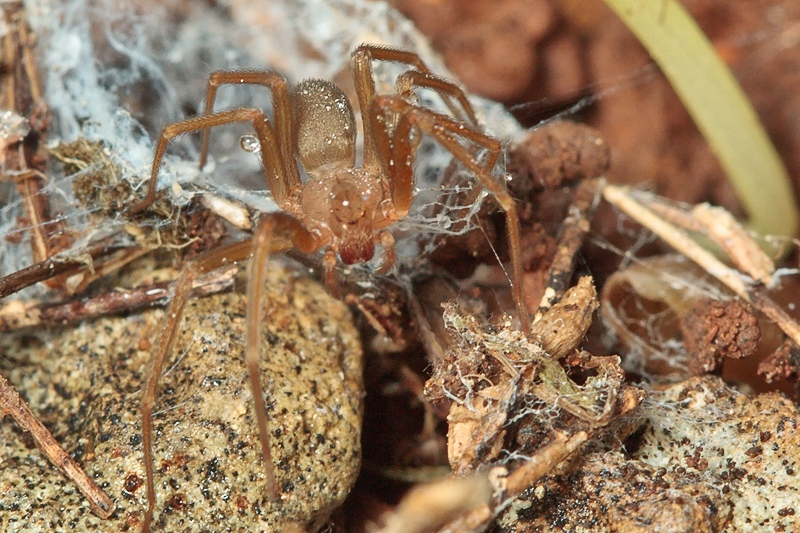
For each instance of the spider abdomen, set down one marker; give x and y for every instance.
(324, 126)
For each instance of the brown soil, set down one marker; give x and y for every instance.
(565, 50)
(714, 329)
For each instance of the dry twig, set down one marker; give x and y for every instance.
(573, 231)
(511, 485)
(18, 314)
(12, 404)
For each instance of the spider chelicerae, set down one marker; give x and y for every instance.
(342, 208)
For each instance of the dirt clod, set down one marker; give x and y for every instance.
(715, 329)
(557, 154)
(783, 363)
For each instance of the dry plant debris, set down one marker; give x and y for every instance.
(86, 381)
(100, 191)
(513, 404)
(427, 507)
(752, 269)
(19, 314)
(703, 458)
(674, 320)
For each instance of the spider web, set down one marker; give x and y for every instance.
(114, 75)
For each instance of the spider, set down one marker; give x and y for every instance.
(342, 208)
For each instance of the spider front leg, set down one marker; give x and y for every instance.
(281, 105)
(275, 232)
(419, 76)
(274, 166)
(396, 150)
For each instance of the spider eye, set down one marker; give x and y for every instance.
(347, 206)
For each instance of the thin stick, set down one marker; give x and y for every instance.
(676, 238)
(60, 264)
(543, 462)
(521, 479)
(14, 405)
(573, 232)
(15, 315)
(719, 225)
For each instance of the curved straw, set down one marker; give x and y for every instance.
(719, 108)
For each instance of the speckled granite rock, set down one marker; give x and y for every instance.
(706, 459)
(85, 385)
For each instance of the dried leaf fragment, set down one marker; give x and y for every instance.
(562, 327)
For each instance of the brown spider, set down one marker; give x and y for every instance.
(342, 208)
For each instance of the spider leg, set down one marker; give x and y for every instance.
(270, 154)
(389, 257)
(397, 158)
(181, 291)
(329, 262)
(275, 232)
(410, 79)
(282, 107)
(419, 76)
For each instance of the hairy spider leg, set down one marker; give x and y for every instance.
(410, 79)
(282, 118)
(365, 54)
(181, 291)
(270, 154)
(389, 258)
(419, 76)
(275, 232)
(397, 155)
(274, 171)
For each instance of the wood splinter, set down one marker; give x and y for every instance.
(13, 404)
